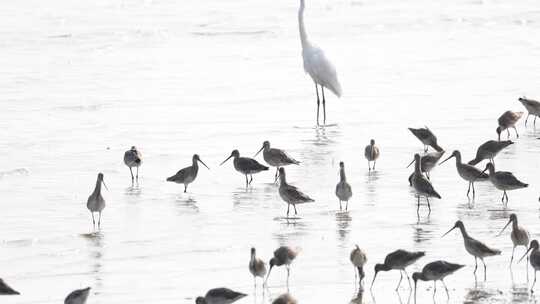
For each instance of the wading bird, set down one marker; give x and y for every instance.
(508, 120)
(276, 157)
(95, 202)
(321, 70)
(245, 165)
(371, 152)
(220, 296)
(428, 161)
(398, 260)
(427, 138)
(188, 175)
(290, 194)
(358, 259)
(78, 296)
(519, 235)
(467, 172)
(133, 158)
(532, 106)
(343, 189)
(534, 259)
(435, 271)
(284, 255)
(256, 267)
(489, 150)
(504, 181)
(421, 185)
(474, 247)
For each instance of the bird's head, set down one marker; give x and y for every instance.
(200, 300)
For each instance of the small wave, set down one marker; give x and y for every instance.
(60, 36)
(14, 172)
(231, 33)
(80, 108)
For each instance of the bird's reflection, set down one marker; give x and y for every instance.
(134, 189)
(423, 230)
(96, 242)
(343, 221)
(371, 186)
(187, 204)
(358, 297)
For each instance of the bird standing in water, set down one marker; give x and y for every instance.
(220, 296)
(256, 267)
(343, 189)
(133, 158)
(534, 259)
(95, 202)
(421, 185)
(284, 255)
(398, 260)
(519, 235)
(467, 172)
(290, 194)
(321, 70)
(427, 138)
(245, 165)
(428, 161)
(532, 106)
(371, 152)
(187, 175)
(489, 150)
(276, 157)
(358, 258)
(435, 271)
(504, 181)
(508, 120)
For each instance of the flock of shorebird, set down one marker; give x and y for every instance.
(324, 75)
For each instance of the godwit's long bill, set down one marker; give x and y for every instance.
(489, 150)
(290, 194)
(96, 202)
(371, 153)
(508, 120)
(467, 172)
(474, 247)
(427, 138)
(284, 255)
(435, 271)
(534, 259)
(220, 296)
(421, 185)
(245, 165)
(504, 181)
(532, 106)
(188, 175)
(276, 157)
(398, 260)
(343, 189)
(519, 235)
(133, 158)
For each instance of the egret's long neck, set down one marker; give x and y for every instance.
(301, 26)
(342, 176)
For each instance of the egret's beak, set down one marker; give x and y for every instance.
(103, 181)
(530, 248)
(445, 160)
(504, 227)
(268, 275)
(373, 282)
(449, 231)
(203, 164)
(259, 151)
(410, 163)
(226, 160)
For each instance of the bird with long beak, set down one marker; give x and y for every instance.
(534, 259)
(428, 161)
(508, 120)
(427, 138)
(421, 185)
(95, 202)
(220, 295)
(284, 255)
(474, 247)
(519, 235)
(188, 175)
(398, 260)
(489, 150)
(290, 194)
(467, 172)
(532, 106)
(504, 181)
(276, 157)
(245, 165)
(435, 271)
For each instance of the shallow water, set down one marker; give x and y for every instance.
(82, 82)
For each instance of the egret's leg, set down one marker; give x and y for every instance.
(515, 129)
(131, 171)
(323, 106)
(318, 102)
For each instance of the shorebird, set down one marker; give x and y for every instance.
(220, 296)
(95, 202)
(436, 271)
(256, 267)
(188, 175)
(78, 296)
(317, 65)
(421, 185)
(133, 158)
(467, 172)
(5, 289)
(427, 138)
(290, 194)
(534, 259)
(245, 165)
(358, 259)
(474, 247)
(276, 157)
(508, 120)
(285, 299)
(519, 235)
(284, 255)
(428, 161)
(343, 189)
(532, 106)
(504, 181)
(398, 260)
(371, 152)
(489, 150)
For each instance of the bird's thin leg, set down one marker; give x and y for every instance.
(508, 132)
(428, 205)
(340, 205)
(131, 171)
(346, 205)
(295, 212)
(408, 278)
(434, 288)
(369, 165)
(446, 288)
(534, 281)
(288, 274)
(93, 220)
(485, 269)
(469, 190)
(418, 206)
(323, 105)
(99, 221)
(137, 173)
(247, 183)
(534, 122)
(250, 179)
(400, 278)
(318, 102)
(355, 274)
(427, 175)
(473, 191)
(374, 163)
(512, 258)
(275, 177)
(288, 207)
(475, 264)
(515, 129)
(527, 267)
(527, 119)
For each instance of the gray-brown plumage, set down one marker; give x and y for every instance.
(435, 271)
(188, 175)
(96, 202)
(489, 150)
(467, 172)
(519, 235)
(290, 194)
(508, 120)
(421, 185)
(245, 165)
(78, 296)
(427, 138)
(371, 153)
(276, 157)
(256, 266)
(133, 158)
(220, 295)
(534, 259)
(5, 289)
(398, 260)
(358, 258)
(285, 298)
(343, 189)
(474, 247)
(504, 181)
(532, 106)
(428, 161)
(284, 255)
